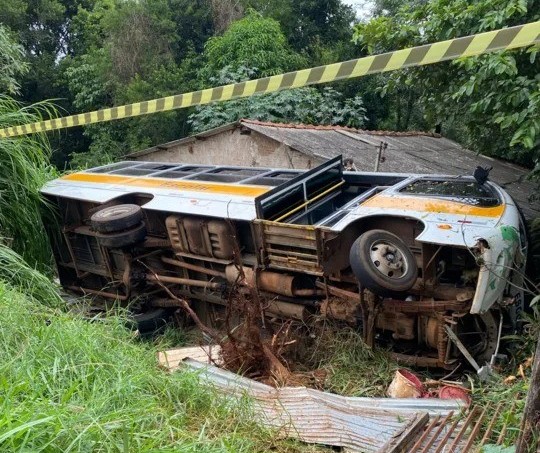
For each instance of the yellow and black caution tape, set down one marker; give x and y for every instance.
(468, 46)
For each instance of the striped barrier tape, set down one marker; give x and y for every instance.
(468, 46)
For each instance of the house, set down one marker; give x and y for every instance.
(263, 144)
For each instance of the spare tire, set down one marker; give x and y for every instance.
(383, 263)
(123, 238)
(116, 218)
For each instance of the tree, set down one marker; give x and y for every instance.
(194, 25)
(12, 64)
(254, 42)
(490, 103)
(310, 25)
(43, 29)
(140, 36)
(225, 12)
(301, 105)
(115, 70)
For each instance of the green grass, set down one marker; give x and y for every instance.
(67, 384)
(497, 392)
(25, 168)
(29, 281)
(353, 368)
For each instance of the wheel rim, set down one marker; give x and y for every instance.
(388, 259)
(114, 211)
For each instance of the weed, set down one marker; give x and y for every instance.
(67, 384)
(29, 281)
(353, 368)
(25, 168)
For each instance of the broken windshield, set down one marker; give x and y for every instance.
(464, 191)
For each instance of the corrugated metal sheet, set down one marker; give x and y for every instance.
(423, 425)
(358, 424)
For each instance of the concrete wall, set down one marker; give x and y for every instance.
(233, 148)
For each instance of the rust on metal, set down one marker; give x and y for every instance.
(476, 429)
(502, 434)
(193, 267)
(286, 310)
(447, 436)
(457, 433)
(437, 432)
(455, 444)
(489, 429)
(425, 434)
(184, 281)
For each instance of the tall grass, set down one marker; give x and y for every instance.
(69, 385)
(353, 368)
(24, 168)
(32, 283)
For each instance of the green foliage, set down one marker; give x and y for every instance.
(254, 42)
(25, 168)
(71, 385)
(193, 26)
(88, 26)
(26, 279)
(151, 32)
(40, 23)
(300, 105)
(312, 26)
(255, 46)
(493, 99)
(42, 27)
(12, 64)
(124, 71)
(110, 141)
(353, 368)
(85, 78)
(91, 54)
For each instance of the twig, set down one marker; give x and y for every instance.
(210, 332)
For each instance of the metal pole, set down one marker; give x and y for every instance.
(382, 146)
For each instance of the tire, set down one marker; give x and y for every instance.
(151, 320)
(383, 263)
(123, 238)
(116, 218)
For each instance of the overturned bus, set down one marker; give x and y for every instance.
(429, 265)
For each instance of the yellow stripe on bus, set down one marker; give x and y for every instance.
(158, 183)
(431, 205)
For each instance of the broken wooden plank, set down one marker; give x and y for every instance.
(172, 358)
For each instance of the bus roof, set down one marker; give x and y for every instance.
(217, 191)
